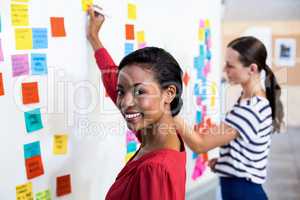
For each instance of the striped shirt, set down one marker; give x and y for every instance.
(247, 155)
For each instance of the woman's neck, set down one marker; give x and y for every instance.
(252, 88)
(161, 135)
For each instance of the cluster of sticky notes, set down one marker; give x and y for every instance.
(24, 191)
(85, 4)
(131, 143)
(43, 195)
(33, 120)
(60, 144)
(200, 166)
(63, 185)
(31, 38)
(57, 27)
(1, 85)
(30, 93)
(19, 14)
(33, 160)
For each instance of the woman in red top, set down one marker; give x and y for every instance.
(147, 89)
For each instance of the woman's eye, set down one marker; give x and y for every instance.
(138, 92)
(120, 92)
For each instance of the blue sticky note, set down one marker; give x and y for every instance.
(207, 34)
(195, 155)
(38, 64)
(198, 117)
(196, 90)
(200, 74)
(196, 62)
(32, 149)
(39, 38)
(131, 147)
(208, 54)
(201, 50)
(128, 48)
(201, 61)
(33, 120)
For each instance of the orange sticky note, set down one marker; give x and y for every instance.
(34, 167)
(58, 27)
(1, 85)
(30, 93)
(63, 185)
(129, 32)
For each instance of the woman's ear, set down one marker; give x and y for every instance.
(253, 68)
(170, 93)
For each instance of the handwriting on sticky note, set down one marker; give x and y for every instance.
(44, 195)
(23, 38)
(20, 65)
(24, 192)
(38, 64)
(1, 85)
(33, 120)
(30, 93)
(34, 167)
(32, 149)
(63, 185)
(39, 38)
(19, 14)
(131, 11)
(58, 27)
(60, 144)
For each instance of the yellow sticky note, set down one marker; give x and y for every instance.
(24, 192)
(140, 37)
(19, 14)
(207, 23)
(86, 3)
(23, 38)
(60, 144)
(214, 88)
(131, 11)
(23, 1)
(201, 34)
(128, 156)
(213, 101)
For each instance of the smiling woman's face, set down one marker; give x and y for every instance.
(140, 98)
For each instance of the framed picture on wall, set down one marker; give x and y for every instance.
(285, 52)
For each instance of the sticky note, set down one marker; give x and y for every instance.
(128, 156)
(85, 4)
(38, 64)
(63, 185)
(208, 54)
(44, 195)
(33, 120)
(24, 191)
(32, 149)
(1, 52)
(39, 38)
(201, 23)
(196, 89)
(23, 38)
(22, 1)
(128, 48)
(34, 167)
(201, 34)
(201, 50)
(198, 116)
(0, 24)
(1, 85)
(213, 101)
(131, 11)
(129, 31)
(142, 45)
(30, 93)
(140, 36)
(131, 147)
(207, 34)
(20, 65)
(198, 100)
(60, 144)
(207, 23)
(19, 14)
(195, 155)
(57, 27)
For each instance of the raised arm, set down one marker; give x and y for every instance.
(104, 61)
(204, 139)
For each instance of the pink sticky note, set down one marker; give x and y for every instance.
(202, 23)
(198, 101)
(199, 168)
(209, 43)
(1, 52)
(142, 45)
(20, 64)
(130, 136)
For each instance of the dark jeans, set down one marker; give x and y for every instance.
(241, 189)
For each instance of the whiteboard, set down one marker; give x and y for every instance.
(72, 99)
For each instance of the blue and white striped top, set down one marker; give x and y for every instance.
(247, 155)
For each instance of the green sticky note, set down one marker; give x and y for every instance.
(33, 120)
(44, 195)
